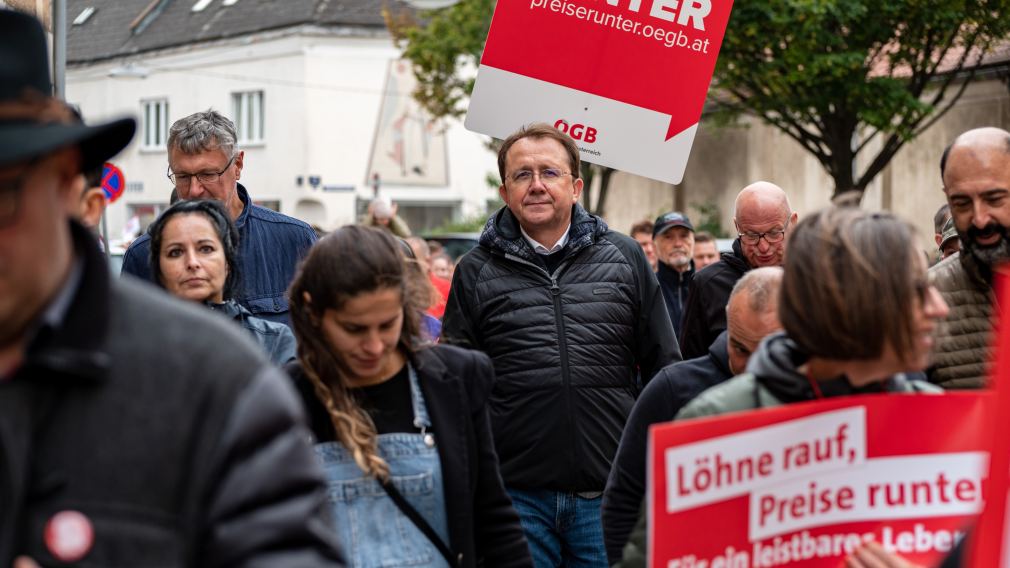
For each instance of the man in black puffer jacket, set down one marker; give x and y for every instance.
(570, 313)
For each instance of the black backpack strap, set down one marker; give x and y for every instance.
(418, 520)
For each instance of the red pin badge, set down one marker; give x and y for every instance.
(69, 536)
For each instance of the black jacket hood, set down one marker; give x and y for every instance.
(776, 365)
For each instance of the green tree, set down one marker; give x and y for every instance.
(444, 47)
(852, 81)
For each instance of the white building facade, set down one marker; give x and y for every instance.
(323, 114)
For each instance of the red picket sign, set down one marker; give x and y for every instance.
(988, 546)
(627, 79)
(806, 484)
(658, 54)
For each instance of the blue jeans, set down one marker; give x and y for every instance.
(563, 529)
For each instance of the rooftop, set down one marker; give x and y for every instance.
(117, 28)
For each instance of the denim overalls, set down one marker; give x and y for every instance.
(373, 531)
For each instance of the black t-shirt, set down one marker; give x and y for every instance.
(388, 403)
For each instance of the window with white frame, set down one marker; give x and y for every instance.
(247, 108)
(155, 123)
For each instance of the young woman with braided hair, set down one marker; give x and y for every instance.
(401, 426)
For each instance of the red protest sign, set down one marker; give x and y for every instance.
(989, 543)
(806, 484)
(627, 79)
(656, 54)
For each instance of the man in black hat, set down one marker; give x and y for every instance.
(134, 429)
(673, 236)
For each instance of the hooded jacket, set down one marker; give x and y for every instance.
(673, 387)
(773, 379)
(962, 339)
(705, 311)
(566, 346)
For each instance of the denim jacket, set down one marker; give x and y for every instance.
(270, 246)
(276, 339)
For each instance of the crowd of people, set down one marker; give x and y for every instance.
(272, 398)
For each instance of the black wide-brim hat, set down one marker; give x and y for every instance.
(24, 69)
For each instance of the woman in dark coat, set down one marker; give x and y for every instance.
(393, 416)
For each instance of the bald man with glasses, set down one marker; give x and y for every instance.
(762, 219)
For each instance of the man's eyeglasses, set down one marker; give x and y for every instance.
(10, 195)
(182, 180)
(548, 176)
(770, 237)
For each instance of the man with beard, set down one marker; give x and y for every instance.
(673, 236)
(976, 179)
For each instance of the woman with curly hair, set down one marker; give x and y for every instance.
(401, 426)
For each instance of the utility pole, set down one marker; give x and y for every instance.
(59, 14)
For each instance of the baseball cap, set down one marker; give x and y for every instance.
(671, 219)
(949, 232)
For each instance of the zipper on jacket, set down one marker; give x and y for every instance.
(566, 376)
(566, 379)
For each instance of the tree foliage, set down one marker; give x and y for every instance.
(852, 81)
(444, 48)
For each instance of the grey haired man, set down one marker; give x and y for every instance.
(205, 163)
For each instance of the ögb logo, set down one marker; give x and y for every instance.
(577, 131)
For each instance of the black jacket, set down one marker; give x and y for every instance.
(566, 346)
(705, 313)
(163, 425)
(483, 526)
(675, 286)
(662, 399)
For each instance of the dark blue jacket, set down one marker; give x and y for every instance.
(276, 339)
(672, 387)
(270, 246)
(675, 286)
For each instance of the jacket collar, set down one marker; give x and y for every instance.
(979, 274)
(230, 308)
(76, 348)
(736, 258)
(445, 403)
(246, 205)
(718, 353)
(670, 276)
(425, 362)
(502, 233)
